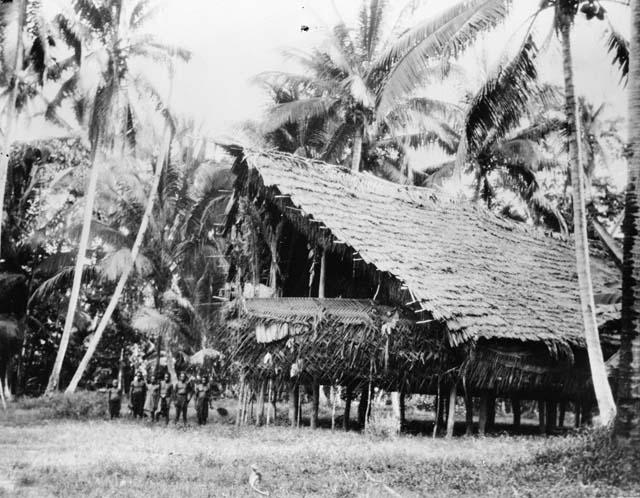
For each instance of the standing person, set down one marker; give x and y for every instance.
(183, 393)
(137, 397)
(151, 400)
(165, 393)
(203, 400)
(114, 394)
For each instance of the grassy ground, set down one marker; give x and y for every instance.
(41, 456)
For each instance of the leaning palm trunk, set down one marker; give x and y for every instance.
(601, 386)
(628, 422)
(54, 378)
(356, 155)
(95, 339)
(11, 114)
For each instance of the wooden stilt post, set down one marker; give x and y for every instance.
(293, 403)
(333, 394)
(403, 411)
(362, 407)
(451, 419)
(517, 412)
(482, 416)
(552, 416)
(240, 403)
(541, 416)
(576, 408)
(562, 414)
(491, 413)
(315, 404)
(260, 404)
(299, 411)
(274, 401)
(442, 411)
(397, 411)
(269, 387)
(468, 405)
(347, 407)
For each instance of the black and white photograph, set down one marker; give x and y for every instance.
(319, 248)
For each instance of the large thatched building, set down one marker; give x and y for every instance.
(371, 282)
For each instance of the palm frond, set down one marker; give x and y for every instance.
(370, 22)
(411, 57)
(104, 232)
(61, 280)
(299, 110)
(114, 264)
(503, 99)
(52, 263)
(618, 48)
(151, 322)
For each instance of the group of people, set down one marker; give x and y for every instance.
(153, 397)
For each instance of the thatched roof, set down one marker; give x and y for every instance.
(485, 277)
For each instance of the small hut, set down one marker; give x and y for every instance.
(363, 282)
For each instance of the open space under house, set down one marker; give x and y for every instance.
(364, 283)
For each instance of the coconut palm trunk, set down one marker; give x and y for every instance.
(11, 113)
(628, 422)
(356, 154)
(601, 386)
(54, 378)
(137, 244)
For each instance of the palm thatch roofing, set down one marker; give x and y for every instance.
(483, 276)
(348, 341)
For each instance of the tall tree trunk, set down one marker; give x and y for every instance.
(601, 386)
(628, 423)
(356, 154)
(54, 378)
(137, 244)
(11, 111)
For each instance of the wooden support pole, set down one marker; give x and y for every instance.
(517, 412)
(541, 416)
(576, 408)
(451, 419)
(552, 416)
(482, 416)
(491, 413)
(347, 407)
(269, 394)
(293, 403)
(397, 411)
(260, 404)
(403, 411)
(323, 274)
(240, 404)
(333, 394)
(562, 414)
(363, 406)
(442, 410)
(468, 405)
(315, 404)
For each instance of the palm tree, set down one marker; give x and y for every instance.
(565, 12)
(363, 87)
(110, 33)
(113, 302)
(628, 423)
(181, 259)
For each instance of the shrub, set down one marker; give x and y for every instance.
(80, 405)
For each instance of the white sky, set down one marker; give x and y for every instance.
(233, 40)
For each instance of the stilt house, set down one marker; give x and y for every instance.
(367, 282)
